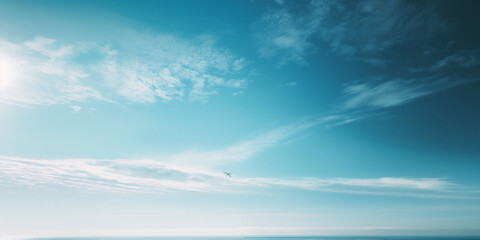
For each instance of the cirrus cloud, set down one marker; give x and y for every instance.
(143, 68)
(152, 176)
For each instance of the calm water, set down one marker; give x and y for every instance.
(264, 238)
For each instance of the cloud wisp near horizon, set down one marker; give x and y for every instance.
(153, 176)
(200, 172)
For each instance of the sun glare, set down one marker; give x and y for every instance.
(8, 72)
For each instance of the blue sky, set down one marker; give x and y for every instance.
(335, 118)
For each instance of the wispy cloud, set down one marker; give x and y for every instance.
(360, 29)
(49, 47)
(187, 171)
(390, 93)
(147, 68)
(142, 68)
(282, 34)
(288, 84)
(77, 108)
(461, 58)
(42, 72)
(196, 172)
(151, 176)
(336, 184)
(375, 33)
(244, 149)
(373, 99)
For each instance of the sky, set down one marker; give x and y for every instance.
(119, 118)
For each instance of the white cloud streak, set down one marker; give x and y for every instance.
(77, 108)
(463, 59)
(387, 94)
(398, 91)
(244, 149)
(194, 172)
(151, 176)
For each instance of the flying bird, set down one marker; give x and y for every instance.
(228, 174)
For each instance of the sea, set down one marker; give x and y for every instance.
(271, 238)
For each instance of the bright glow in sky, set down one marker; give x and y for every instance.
(334, 118)
(8, 72)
